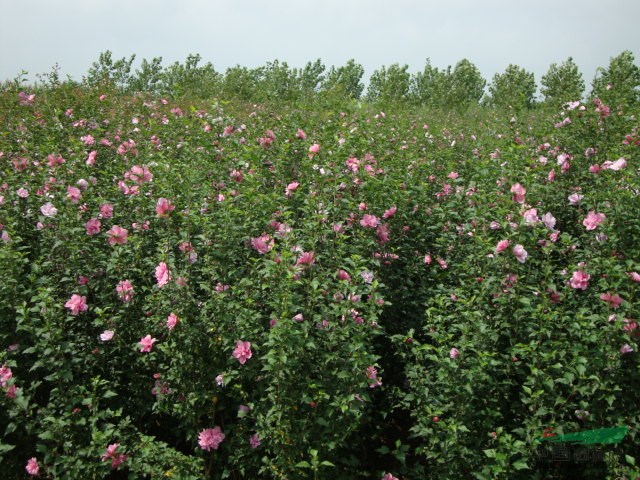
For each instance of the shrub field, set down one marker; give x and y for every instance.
(199, 289)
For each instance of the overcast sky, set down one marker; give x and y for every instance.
(36, 34)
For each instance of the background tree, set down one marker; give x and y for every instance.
(515, 87)
(429, 87)
(562, 83)
(311, 78)
(390, 85)
(345, 80)
(465, 86)
(240, 83)
(148, 78)
(620, 83)
(108, 71)
(189, 79)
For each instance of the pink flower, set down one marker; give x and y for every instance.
(262, 244)
(617, 165)
(117, 235)
(32, 467)
(125, 290)
(76, 304)
(593, 219)
(22, 192)
(242, 352)
(172, 321)
(614, 301)
(91, 158)
(372, 377)
(92, 226)
(520, 253)
(518, 193)
(163, 207)
(549, 220)
(139, 174)
(342, 275)
(575, 198)
(48, 210)
(254, 441)
(388, 476)
(313, 149)
(298, 317)
(291, 188)
(116, 458)
(454, 353)
(146, 343)
(306, 259)
(531, 216)
(106, 210)
(370, 221)
(579, 280)
(390, 212)
(501, 246)
(300, 134)
(162, 274)
(74, 194)
(210, 438)
(626, 348)
(634, 276)
(106, 335)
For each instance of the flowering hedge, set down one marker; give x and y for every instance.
(201, 292)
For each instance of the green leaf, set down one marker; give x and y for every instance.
(303, 464)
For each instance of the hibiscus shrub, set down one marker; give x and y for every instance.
(198, 292)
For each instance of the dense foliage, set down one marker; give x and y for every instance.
(210, 288)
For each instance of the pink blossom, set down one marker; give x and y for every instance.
(162, 274)
(579, 280)
(210, 438)
(594, 168)
(125, 290)
(262, 244)
(76, 304)
(518, 192)
(106, 210)
(520, 253)
(575, 198)
(146, 343)
(242, 352)
(48, 210)
(22, 193)
(106, 335)
(293, 186)
(163, 207)
(501, 246)
(306, 259)
(372, 377)
(370, 221)
(92, 226)
(172, 321)
(390, 212)
(298, 317)
(593, 219)
(626, 348)
(32, 467)
(549, 220)
(531, 216)
(117, 235)
(139, 174)
(614, 301)
(615, 166)
(254, 441)
(342, 275)
(300, 134)
(388, 476)
(313, 149)
(55, 160)
(116, 458)
(634, 276)
(454, 353)
(91, 158)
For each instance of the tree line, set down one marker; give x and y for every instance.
(452, 88)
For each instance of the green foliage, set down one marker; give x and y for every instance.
(562, 83)
(514, 88)
(619, 84)
(389, 84)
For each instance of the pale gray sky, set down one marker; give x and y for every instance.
(36, 34)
